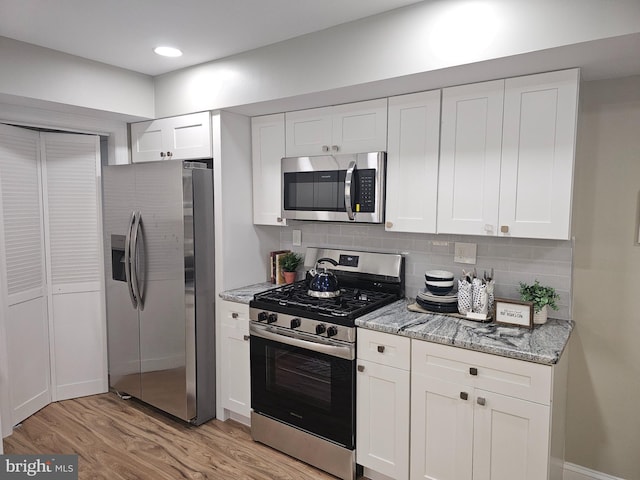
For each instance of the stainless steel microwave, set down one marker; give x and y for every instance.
(335, 188)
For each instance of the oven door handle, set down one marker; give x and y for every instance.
(346, 352)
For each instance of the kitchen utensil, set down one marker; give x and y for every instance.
(323, 284)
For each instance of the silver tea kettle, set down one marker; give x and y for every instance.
(323, 284)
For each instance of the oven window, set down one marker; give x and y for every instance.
(299, 375)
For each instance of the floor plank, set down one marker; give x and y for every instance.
(119, 439)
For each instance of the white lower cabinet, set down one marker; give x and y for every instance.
(234, 369)
(467, 424)
(435, 412)
(382, 393)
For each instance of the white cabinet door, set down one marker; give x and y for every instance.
(267, 150)
(382, 436)
(146, 141)
(470, 151)
(234, 370)
(360, 127)
(412, 162)
(308, 132)
(441, 429)
(178, 138)
(189, 136)
(511, 438)
(538, 150)
(350, 128)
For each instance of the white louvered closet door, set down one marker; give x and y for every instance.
(22, 276)
(71, 166)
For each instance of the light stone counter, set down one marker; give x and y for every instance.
(543, 344)
(245, 294)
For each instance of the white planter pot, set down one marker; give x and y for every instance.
(540, 317)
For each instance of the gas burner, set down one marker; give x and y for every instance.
(351, 303)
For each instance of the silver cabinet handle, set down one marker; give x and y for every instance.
(162, 155)
(127, 261)
(335, 148)
(473, 371)
(361, 368)
(246, 338)
(279, 219)
(234, 315)
(169, 154)
(347, 189)
(481, 401)
(380, 348)
(464, 395)
(325, 148)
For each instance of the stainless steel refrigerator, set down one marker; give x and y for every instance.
(159, 267)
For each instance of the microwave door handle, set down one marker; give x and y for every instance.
(127, 261)
(348, 179)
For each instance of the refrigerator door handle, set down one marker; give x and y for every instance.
(137, 273)
(127, 262)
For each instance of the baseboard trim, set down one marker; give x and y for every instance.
(576, 472)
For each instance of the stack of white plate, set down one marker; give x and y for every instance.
(438, 303)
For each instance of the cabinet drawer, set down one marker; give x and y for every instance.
(384, 348)
(232, 313)
(507, 376)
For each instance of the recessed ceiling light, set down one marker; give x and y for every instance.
(168, 51)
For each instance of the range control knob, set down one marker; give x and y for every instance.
(321, 328)
(332, 331)
(272, 318)
(262, 316)
(295, 322)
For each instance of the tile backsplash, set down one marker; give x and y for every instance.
(513, 259)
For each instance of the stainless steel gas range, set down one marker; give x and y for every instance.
(303, 352)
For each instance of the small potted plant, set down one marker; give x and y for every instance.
(289, 263)
(542, 297)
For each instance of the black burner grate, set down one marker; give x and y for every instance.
(351, 303)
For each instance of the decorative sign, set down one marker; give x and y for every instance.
(514, 312)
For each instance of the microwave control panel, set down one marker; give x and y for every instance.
(366, 196)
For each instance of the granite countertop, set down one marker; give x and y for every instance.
(245, 294)
(543, 344)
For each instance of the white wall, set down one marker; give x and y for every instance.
(427, 37)
(603, 425)
(35, 73)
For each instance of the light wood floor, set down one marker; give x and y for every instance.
(124, 439)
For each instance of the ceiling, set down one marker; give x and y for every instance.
(124, 32)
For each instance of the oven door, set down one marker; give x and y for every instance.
(303, 383)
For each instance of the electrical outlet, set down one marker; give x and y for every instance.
(465, 253)
(297, 238)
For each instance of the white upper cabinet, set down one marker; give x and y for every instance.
(267, 150)
(350, 128)
(469, 182)
(176, 138)
(412, 162)
(538, 151)
(507, 156)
